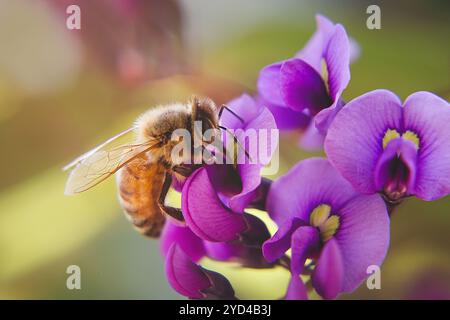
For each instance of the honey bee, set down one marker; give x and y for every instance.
(142, 158)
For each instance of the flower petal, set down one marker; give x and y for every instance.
(222, 251)
(275, 247)
(184, 238)
(308, 184)
(314, 49)
(183, 275)
(192, 280)
(325, 117)
(247, 250)
(328, 275)
(245, 107)
(312, 139)
(296, 289)
(429, 117)
(259, 123)
(337, 58)
(302, 87)
(407, 152)
(269, 84)
(236, 188)
(354, 140)
(286, 118)
(205, 213)
(221, 287)
(305, 241)
(225, 180)
(251, 179)
(363, 237)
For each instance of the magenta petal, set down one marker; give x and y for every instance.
(256, 118)
(236, 188)
(308, 184)
(302, 87)
(328, 275)
(225, 179)
(245, 107)
(305, 241)
(221, 288)
(251, 179)
(205, 213)
(247, 250)
(269, 84)
(262, 123)
(354, 140)
(312, 139)
(313, 51)
(221, 251)
(183, 275)
(363, 238)
(326, 116)
(286, 118)
(296, 289)
(429, 116)
(184, 238)
(337, 58)
(275, 247)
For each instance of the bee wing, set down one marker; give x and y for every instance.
(114, 139)
(104, 160)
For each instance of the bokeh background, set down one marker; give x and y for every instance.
(63, 91)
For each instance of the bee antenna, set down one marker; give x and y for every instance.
(224, 107)
(236, 141)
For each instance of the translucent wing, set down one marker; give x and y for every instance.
(104, 160)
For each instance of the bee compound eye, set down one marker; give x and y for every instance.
(167, 136)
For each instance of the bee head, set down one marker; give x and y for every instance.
(204, 110)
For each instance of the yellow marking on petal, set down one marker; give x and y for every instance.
(390, 135)
(324, 74)
(319, 215)
(329, 228)
(411, 136)
(321, 219)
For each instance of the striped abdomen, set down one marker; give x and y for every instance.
(140, 184)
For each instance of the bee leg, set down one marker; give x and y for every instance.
(168, 210)
(183, 170)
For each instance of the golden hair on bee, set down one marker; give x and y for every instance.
(162, 119)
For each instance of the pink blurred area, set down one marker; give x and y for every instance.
(133, 40)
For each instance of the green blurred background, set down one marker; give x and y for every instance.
(63, 91)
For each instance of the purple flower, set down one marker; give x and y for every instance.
(238, 185)
(193, 281)
(380, 145)
(322, 218)
(300, 89)
(245, 250)
(215, 196)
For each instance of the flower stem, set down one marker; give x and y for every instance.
(284, 262)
